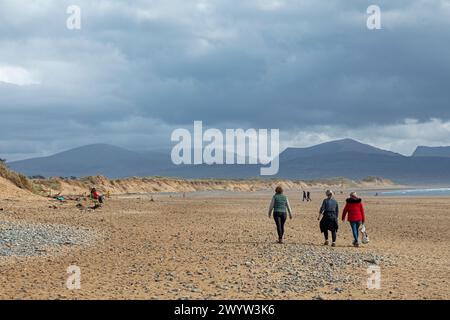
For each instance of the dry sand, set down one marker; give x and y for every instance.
(221, 245)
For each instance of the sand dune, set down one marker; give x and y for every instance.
(16, 185)
(9, 190)
(154, 185)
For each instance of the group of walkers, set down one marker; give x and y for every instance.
(306, 196)
(328, 215)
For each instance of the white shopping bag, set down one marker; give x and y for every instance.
(365, 236)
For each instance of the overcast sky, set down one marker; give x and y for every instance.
(136, 70)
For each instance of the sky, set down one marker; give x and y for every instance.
(137, 70)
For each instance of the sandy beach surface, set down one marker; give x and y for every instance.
(213, 245)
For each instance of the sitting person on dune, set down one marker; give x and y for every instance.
(97, 196)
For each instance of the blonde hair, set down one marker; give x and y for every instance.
(329, 193)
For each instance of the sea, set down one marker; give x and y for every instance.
(411, 192)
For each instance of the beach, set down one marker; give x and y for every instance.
(223, 246)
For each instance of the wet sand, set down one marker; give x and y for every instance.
(222, 246)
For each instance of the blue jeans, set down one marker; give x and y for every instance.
(355, 229)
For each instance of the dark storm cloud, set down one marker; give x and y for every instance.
(137, 69)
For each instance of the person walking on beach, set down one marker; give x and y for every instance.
(354, 208)
(308, 196)
(304, 196)
(330, 213)
(280, 207)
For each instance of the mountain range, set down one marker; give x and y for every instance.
(342, 158)
(423, 151)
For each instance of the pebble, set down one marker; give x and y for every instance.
(27, 240)
(222, 287)
(307, 268)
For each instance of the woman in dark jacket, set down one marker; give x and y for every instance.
(329, 212)
(280, 207)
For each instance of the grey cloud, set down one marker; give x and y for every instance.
(291, 65)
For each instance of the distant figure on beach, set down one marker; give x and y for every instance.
(355, 210)
(308, 196)
(96, 196)
(330, 215)
(305, 198)
(280, 207)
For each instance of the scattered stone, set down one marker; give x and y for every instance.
(222, 287)
(26, 240)
(372, 261)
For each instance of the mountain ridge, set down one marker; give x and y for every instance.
(345, 158)
(425, 151)
(342, 145)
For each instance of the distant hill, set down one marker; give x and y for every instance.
(423, 151)
(343, 158)
(332, 147)
(401, 169)
(94, 159)
(355, 160)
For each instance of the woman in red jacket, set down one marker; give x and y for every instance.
(355, 210)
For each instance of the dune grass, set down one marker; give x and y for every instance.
(17, 179)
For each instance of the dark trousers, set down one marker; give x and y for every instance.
(280, 219)
(333, 235)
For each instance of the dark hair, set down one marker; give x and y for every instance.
(279, 189)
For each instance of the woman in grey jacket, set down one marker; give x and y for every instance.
(329, 212)
(280, 206)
